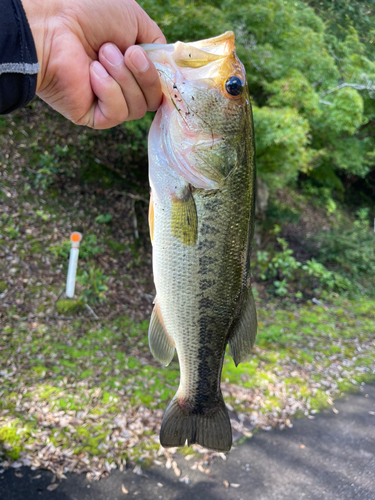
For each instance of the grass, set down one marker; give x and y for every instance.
(305, 356)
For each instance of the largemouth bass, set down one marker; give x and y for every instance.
(202, 176)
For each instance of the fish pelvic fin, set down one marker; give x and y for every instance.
(210, 429)
(161, 345)
(244, 329)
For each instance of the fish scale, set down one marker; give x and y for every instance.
(202, 178)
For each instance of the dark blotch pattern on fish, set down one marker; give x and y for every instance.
(205, 284)
(205, 262)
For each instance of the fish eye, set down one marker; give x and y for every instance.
(234, 86)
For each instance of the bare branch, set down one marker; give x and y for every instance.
(357, 86)
(325, 102)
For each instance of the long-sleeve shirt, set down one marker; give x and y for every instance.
(18, 59)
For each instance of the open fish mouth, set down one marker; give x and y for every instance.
(206, 50)
(211, 59)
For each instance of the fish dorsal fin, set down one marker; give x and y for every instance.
(161, 346)
(244, 329)
(184, 219)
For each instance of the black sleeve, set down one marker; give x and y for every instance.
(18, 60)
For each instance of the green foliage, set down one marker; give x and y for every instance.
(294, 91)
(11, 230)
(94, 285)
(341, 16)
(350, 251)
(298, 62)
(345, 113)
(48, 169)
(103, 218)
(50, 166)
(289, 277)
(71, 306)
(280, 140)
(281, 264)
(327, 279)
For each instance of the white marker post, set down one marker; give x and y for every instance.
(75, 239)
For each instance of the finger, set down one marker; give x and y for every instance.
(110, 109)
(148, 30)
(113, 61)
(146, 76)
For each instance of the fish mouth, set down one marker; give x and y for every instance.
(212, 58)
(207, 50)
(207, 63)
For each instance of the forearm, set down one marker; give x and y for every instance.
(18, 58)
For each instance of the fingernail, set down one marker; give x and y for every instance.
(99, 70)
(139, 60)
(112, 54)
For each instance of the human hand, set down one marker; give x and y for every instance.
(91, 72)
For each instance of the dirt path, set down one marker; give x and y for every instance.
(330, 457)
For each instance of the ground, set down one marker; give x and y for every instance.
(331, 456)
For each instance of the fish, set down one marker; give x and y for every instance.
(201, 217)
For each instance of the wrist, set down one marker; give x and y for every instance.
(36, 17)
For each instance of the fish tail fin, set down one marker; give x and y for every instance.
(211, 429)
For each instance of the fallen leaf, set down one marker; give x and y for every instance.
(124, 490)
(52, 487)
(226, 484)
(138, 470)
(176, 470)
(160, 485)
(235, 485)
(185, 480)
(302, 446)
(16, 465)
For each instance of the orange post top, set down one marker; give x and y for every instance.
(75, 237)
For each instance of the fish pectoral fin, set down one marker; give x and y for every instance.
(244, 329)
(184, 219)
(161, 346)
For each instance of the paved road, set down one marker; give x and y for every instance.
(329, 458)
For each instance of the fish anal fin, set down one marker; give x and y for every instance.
(211, 430)
(244, 329)
(161, 345)
(151, 217)
(184, 219)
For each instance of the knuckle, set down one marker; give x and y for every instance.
(122, 117)
(138, 113)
